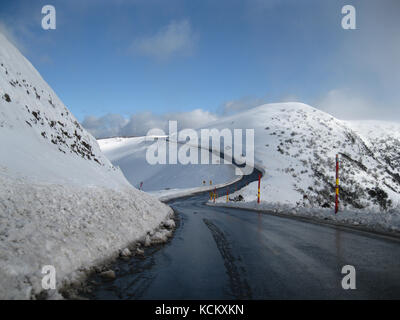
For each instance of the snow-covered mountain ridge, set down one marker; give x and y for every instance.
(296, 144)
(36, 126)
(62, 203)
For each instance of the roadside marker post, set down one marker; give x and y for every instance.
(259, 183)
(227, 194)
(215, 192)
(337, 185)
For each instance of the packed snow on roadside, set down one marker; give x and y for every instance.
(165, 181)
(295, 148)
(62, 202)
(69, 227)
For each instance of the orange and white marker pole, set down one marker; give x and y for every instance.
(337, 185)
(259, 183)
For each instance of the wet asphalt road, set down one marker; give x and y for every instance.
(221, 253)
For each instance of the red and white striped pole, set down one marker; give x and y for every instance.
(337, 185)
(259, 183)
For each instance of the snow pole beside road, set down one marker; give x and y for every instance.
(259, 183)
(215, 193)
(227, 194)
(337, 185)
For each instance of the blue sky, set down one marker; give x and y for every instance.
(127, 57)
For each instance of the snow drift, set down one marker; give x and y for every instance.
(62, 203)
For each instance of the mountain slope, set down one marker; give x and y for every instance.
(129, 154)
(62, 203)
(36, 126)
(296, 145)
(383, 138)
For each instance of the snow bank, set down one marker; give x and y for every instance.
(69, 227)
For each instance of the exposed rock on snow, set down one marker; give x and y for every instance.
(62, 203)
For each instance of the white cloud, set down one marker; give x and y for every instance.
(368, 64)
(193, 119)
(241, 104)
(112, 125)
(175, 38)
(348, 105)
(109, 125)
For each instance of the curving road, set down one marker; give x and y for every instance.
(223, 253)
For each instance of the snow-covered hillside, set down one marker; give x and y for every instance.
(383, 138)
(129, 154)
(295, 145)
(62, 202)
(38, 133)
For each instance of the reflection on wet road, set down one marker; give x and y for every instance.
(223, 253)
